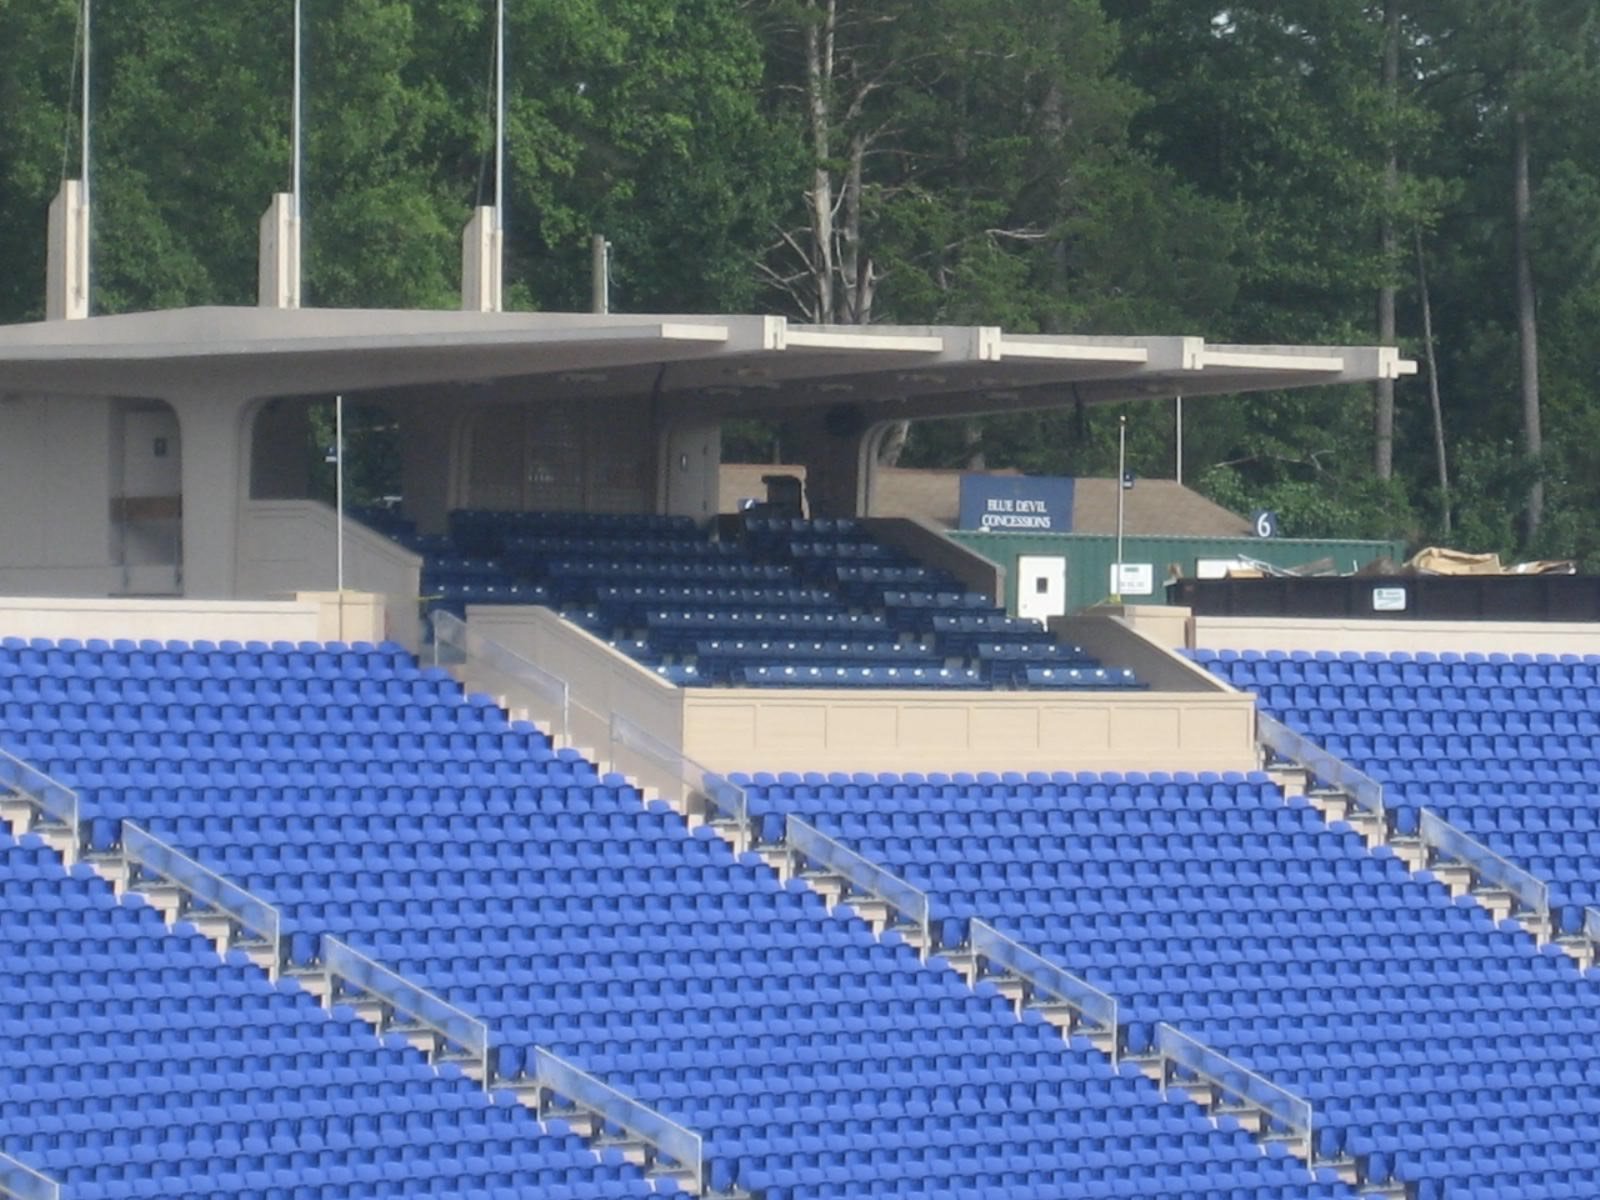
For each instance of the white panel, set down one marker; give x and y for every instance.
(1041, 586)
(151, 461)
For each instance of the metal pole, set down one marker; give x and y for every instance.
(83, 152)
(1179, 408)
(338, 474)
(1122, 475)
(295, 116)
(500, 117)
(600, 254)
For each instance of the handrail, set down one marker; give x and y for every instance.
(1187, 1054)
(1094, 1005)
(143, 849)
(56, 799)
(452, 632)
(1294, 746)
(556, 1076)
(1438, 834)
(341, 962)
(862, 873)
(726, 797)
(22, 1182)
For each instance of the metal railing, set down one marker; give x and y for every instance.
(723, 798)
(1046, 978)
(455, 643)
(1289, 745)
(861, 875)
(341, 963)
(201, 885)
(559, 1079)
(21, 1182)
(55, 799)
(1441, 837)
(1182, 1056)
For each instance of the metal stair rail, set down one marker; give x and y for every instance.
(198, 885)
(1288, 745)
(1443, 840)
(18, 1181)
(455, 644)
(625, 746)
(860, 876)
(1184, 1059)
(394, 993)
(698, 790)
(1443, 845)
(1046, 986)
(54, 799)
(558, 1080)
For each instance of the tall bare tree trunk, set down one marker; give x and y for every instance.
(1527, 321)
(819, 88)
(1383, 389)
(1439, 456)
(855, 268)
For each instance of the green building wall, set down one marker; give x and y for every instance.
(1089, 557)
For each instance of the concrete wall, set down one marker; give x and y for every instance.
(1115, 641)
(601, 681)
(806, 730)
(926, 542)
(287, 546)
(1486, 637)
(55, 497)
(298, 620)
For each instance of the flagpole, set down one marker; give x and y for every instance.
(500, 118)
(83, 151)
(1122, 475)
(297, 149)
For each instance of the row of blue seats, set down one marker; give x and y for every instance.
(595, 903)
(1383, 958)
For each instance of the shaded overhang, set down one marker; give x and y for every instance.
(713, 366)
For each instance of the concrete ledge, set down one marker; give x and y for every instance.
(821, 730)
(1114, 641)
(1393, 637)
(601, 680)
(301, 620)
(927, 543)
(1199, 725)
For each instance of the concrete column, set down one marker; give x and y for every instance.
(278, 284)
(280, 451)
(833, 446)
(66, 287)
(481, 246)
(430, 464)
(216, 460)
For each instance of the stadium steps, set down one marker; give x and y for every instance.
(19, 815)
(1458, 877)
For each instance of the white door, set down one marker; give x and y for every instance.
(1041, 586)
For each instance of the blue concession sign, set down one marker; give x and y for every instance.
(1016, 503)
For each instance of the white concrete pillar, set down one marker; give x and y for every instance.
(216, 463)
(278, 284)
(66, 287)
(481, 248)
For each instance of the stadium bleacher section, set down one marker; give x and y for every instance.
(135, 1063)
(369, 798)
(795, 603)
(1437, 1049)
(1501, 746)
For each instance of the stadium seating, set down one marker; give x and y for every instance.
(1502, 746)
(660, 589)
(134, 1063)
(370, 799)
(1439, 1049)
